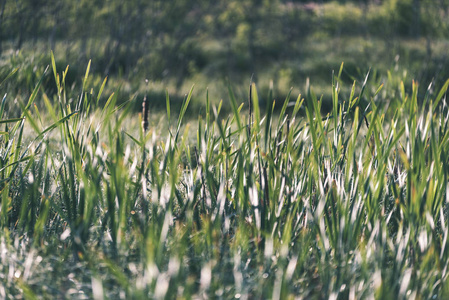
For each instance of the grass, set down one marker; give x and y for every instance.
(292, 42)
(292, 203)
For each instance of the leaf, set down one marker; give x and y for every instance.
(341, 70)
(86, 75)
(284, 108)
(16, 162)
(53, 65)
(35, 91)
(11, 120)
(14, 71)
(255, 102)
(28, 116)
(379, 89)
(134, 139)
(183, 111)
(54, 125)
(111, 100)
(234, 107)
(167, 104)
(101, 89)
(440, 94)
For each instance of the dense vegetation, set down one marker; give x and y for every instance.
(95, 203)
(175, 44)
(248, 189)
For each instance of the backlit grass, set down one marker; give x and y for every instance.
(288, 203)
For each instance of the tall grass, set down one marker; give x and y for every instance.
(289, 204)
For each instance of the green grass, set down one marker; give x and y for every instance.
(405, 59)
(275, 202)
(291, 42)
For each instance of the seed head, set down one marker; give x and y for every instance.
(145, 114)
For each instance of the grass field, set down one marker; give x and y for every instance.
(281, 201)
(219, 42)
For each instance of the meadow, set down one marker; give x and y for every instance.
(147, 48)
(221, 149)
(281, 201)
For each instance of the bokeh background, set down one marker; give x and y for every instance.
(146, 47)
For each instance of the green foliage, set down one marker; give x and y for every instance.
(288, 203)
(175, 44)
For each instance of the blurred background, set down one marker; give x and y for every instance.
(146, 47)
